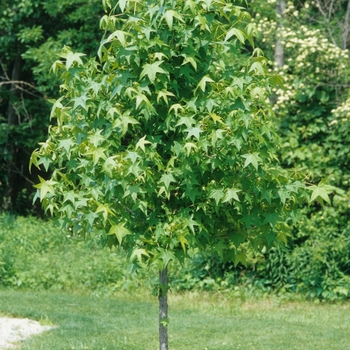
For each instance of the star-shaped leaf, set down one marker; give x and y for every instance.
(203, 82)
(141, 143)
(119, 231)
(45, 187)
(133, 156)
(151, 70)
(320, 192)
(193, 131)
(80, 102)
(231, 193)
(253, 159)
(137, 254)
(271, 218)
(167, 179)
(217, 195)
(73, 57)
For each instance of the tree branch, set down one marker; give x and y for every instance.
(17, 84)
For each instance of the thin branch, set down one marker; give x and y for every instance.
(4, 70)
(15, 82)
(327, 19)
(330, 9)
(22, 175)
(321, 9)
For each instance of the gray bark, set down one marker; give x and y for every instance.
(346, 29)
(279, 49)
(163, 309)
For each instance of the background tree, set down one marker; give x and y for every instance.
(279, 49)
(166, 141)
(314, 137)
(32, 34)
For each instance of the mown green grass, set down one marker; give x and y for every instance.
(198, 321)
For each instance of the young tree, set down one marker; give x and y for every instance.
(166, 141)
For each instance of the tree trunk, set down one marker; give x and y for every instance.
(163, 309)
(11, 149)
(279, 49)
(346, 29)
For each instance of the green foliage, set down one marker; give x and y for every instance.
(166, 142)
(36, 255)
(32, 34)
(316, 260)
(313, 109)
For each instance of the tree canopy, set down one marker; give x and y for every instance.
(167, 140)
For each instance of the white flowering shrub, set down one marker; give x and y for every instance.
(314, 112)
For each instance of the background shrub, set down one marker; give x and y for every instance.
(34, 254)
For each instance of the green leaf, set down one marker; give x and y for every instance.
(192, 193)
(216, 118)
(73, 57)
(167, 179)
(69, 196)
(189, 146)
(253, 159)
(176, 107)
(277, 80)
(169, 15)
(151, 70)
(165, 256)
(189, 222)
(80, 101)
(191, 60)
(218, 195)
(122, 4)
(257, 68)
(231, 193)
(240, 258)
(164, 95)
(237, 33)
(105, 210)
(271, 218)
(45, 187)
(96, 138)
(203, 83)
(120, 35)
(133, 156)
(193, 131)
(321, 192)
(119, 231)
(45, 161)
(141, 143)
(97, 154)
(137, 254)
(169, 18)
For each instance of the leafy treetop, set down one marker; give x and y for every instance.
(167, 141)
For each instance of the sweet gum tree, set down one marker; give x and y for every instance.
(166, 140)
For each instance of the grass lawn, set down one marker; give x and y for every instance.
(199, 321)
